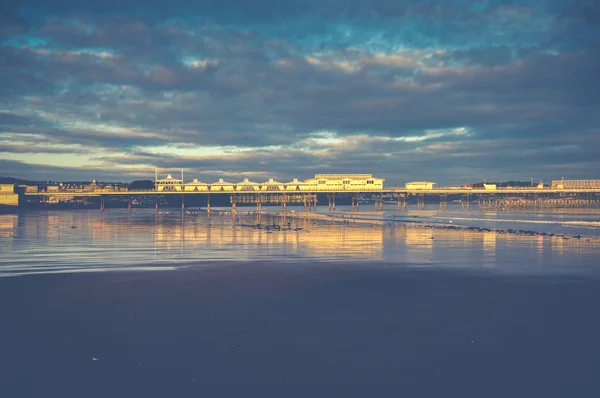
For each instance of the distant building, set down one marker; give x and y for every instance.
(221, 185)
(272, 185)
(196, 186)
(169, 184)
(247, 185)
(321, 182)
(576, 184)
(351, 182)
(8, 197)
(420, 185)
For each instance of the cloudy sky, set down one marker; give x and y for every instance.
(450, 91)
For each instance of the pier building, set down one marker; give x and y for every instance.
(420, 185)
(169, 184)
(8, 197)
(196, 186)
(247, 185)
(341, 182)
(575, 184)
(222, 185)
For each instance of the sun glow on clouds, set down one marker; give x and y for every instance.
(352, 60)
(52, 159)
(199, 63)
(432, 134)
(199, 151)
(102, 54)
(329, 139)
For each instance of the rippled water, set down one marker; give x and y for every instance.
(92, 241)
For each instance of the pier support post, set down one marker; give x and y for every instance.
(378, 203)
(157, 203)
(233, 200)
(355, 204)
(465, 201)
(182, 204)
(402, 201)
(421, 201)
(331, 199)
(208, 203)
(129, 204)
(101, 203)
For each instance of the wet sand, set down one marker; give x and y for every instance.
(310, 307)
(300, 329)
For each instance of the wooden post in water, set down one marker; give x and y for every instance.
(233, 200)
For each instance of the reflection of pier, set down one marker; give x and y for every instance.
(309, 200)
(305, 236)
(8, 225)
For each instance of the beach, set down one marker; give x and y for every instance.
(120, 304)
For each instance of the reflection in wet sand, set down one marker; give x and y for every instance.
(489, 242)
(88, 240)
(8, 225)
(293, 236)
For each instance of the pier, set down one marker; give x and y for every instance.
(562, 193)
(500, 199)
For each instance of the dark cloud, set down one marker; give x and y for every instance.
(292, 88)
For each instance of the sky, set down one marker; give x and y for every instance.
(451, 91)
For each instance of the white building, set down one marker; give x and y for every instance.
(221, 185)
(196, 186)
(294, 185)
(343, 182)
(420, 185)
(247, 186)
(169, 184)
(8, 197)
(321, 182)
(272, 185)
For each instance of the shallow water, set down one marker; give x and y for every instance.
(118, 240)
